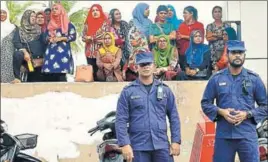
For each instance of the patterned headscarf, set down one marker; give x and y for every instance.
(58, 21)
(28, 32)
(6, 26)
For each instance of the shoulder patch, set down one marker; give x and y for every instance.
(252, 72)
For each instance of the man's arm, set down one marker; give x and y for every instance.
(260, 95)
(122, 118)
(174, 119)
(207, 102)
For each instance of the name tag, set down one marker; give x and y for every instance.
(135, 97)
(222, 84)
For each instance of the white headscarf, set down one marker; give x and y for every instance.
(6, 26)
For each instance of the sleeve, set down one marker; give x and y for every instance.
(174, 119)
(17, 41)
(151, 30)
(122, 118)
(209, 28)
(71, 33)
(118, 58)
(260, 95)
(98, 60)
(207, 102)
(206, 61)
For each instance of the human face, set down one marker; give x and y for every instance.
(107, 40)
(162, 15)
(55, 10)
(147, 12)
(187, 15)
(117, 15)
(48, 15)
(145, 69)
(3, 15)
(170, 13)
(236, 58)
(197, 38)
(40, 20)
(217, 14)
(33, 18)
(162, 43)
(95, 12)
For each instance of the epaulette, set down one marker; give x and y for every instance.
(252, 72)
(217, 73)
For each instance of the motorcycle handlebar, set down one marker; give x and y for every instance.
(93, 130)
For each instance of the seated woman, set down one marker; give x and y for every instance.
(7, 48)
(166, 58)
(198, 62)
(221, 59)
(108, 60)
(162, 27)
(29, 46)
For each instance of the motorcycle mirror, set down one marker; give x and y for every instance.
(4, 127)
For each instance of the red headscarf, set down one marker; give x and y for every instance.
(43, 26)
(94, 23)
(60, 20)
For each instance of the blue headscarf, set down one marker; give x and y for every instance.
(174, 20)
(231, 33)
(140, 21)
(195, 52)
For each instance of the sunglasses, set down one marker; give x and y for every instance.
(237, 52)
(145, 64)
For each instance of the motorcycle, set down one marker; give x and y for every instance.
(11, 146)
(108, 150)
(262, 130)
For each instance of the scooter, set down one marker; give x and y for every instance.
(262, 130)
(11, 146)
(108, 150)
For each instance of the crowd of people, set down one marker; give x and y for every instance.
(39, 49)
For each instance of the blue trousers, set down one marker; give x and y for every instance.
(225, 149)
(161, 155)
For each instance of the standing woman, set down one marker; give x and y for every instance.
(41, 20)
(58, 59)
(95, 26)
(190, 23)
(7, 47)
(121, 29)
(215, 33)
(172, 17)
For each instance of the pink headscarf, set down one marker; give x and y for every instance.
(58, 21)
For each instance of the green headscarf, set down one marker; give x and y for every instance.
(162, 57)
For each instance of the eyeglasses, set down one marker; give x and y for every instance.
(237, 52)
(145, 64)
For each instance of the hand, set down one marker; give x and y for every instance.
(52, 40)
(134, 43)
(27, 56)
(124, 74)
(127, 153)
(240, 116)
(193, 72)
(175, 149)
(226, 113)
(158, 71)
(179, 36)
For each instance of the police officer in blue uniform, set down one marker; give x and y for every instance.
(144, 105)
(236, 89)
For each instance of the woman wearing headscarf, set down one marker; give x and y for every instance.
(162, 27)
(96, 25)
(190, 23)
(198, 62)
(60, 33)
(137, 39)
(166, 58)
(108, 60)
(7, 47)
(172, 17)
(121, 29)
(221, 59)
(215, 33)
(29, 46)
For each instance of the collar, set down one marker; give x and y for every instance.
(243, 72)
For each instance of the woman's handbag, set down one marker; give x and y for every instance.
(84, 73)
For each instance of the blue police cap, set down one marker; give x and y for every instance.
(144, 57)
(236, 45)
